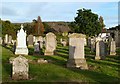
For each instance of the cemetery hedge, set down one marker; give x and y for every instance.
(100, 71)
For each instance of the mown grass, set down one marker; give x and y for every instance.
(100, 71)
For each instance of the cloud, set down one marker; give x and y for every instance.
(8, 11)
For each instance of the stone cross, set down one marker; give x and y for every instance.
(76, 51)
(20, 68)
(50, 44)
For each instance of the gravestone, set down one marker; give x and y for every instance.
(92, 44)
(36, 47)
(89, 42)
(30, 40)
(76, 51)
(41, 41)
(85, 42)
(112, 48)
(10, 39)
(100, 49)
(20, 68)
(21, 48)
(6, 39)
(64, 43)
(50, 44)
(0, 40)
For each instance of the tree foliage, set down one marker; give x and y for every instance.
(86, 22)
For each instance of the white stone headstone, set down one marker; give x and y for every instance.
(50, 44)
(6, 38)
(1, 40)
(21, 48)
(76, 51)
(20, 68)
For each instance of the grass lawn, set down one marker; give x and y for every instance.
(100, 71)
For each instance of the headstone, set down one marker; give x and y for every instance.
(100, 49)
(61, 40)
(21, 48)
(20, 68)
(41, 41)
(113, 48)
(76, 51)
(6, 39)
(64, 43)
(85, 42)
(50, 44)
(10, 39)
(92, 44)
(1, 40)
(36, 47)
(30, 40)
(34, 39)
(89, 42)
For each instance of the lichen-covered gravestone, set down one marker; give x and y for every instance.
(20, 68)
(50, 44)
(100, 49)
(30, 40)
(112, 48)
(76, 51)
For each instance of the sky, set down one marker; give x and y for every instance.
(19, 12)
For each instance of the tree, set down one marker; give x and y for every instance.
(8, 28)
(86, 22)
(101, 22)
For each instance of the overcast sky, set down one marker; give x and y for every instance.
(57, 11)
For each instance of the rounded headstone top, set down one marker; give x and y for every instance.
(77, 35)
(50, 34)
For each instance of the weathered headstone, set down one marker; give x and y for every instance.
(21, 48)
(112, 48)
(41, 41)
(1, 40)
(20, 68)
(50, 44)
(76, 51)
(30, 40)
(64, 43)
(6, 39)
(100, 49)
(10, 39)
(92, 44)
(36, 47)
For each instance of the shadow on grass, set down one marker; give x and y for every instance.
(96, 76)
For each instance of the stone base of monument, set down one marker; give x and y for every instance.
(20, 76)
(78, 63)
(49, 52)
(21, 51)
(99, 57)
(112, 53)
(30, 45)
